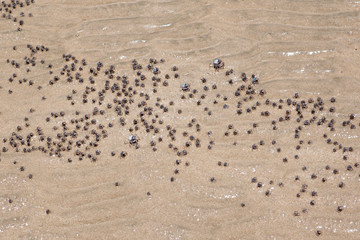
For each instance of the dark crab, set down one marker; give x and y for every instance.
(217, 64)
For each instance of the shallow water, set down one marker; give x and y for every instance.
(308, 47)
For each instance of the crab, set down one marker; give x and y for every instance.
(254, 79)
(217, 64)
(155, 71)
(133, 139)
(185, 87)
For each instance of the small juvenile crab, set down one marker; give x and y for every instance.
(217, 64)
(185, 87)
(133, 139)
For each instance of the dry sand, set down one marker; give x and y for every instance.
(305, 47)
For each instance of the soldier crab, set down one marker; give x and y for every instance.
(217, 64)
(185, 87)
(133, 139)
(155, 71)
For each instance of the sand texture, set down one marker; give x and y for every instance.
(179, 119)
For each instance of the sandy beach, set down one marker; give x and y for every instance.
(179, 119)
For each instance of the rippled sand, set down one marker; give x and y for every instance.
(305, 47)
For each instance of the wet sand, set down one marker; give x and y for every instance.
(95, 145)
